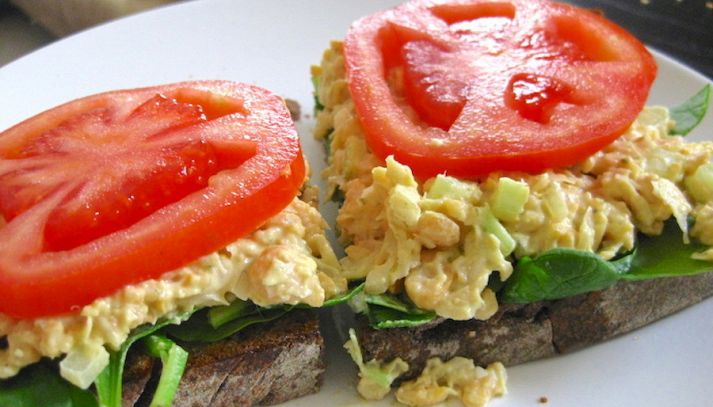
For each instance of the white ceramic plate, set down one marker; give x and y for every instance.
(272, 43)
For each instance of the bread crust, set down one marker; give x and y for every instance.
(263, 365)
(518, 334)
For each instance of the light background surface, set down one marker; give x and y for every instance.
(272, 43)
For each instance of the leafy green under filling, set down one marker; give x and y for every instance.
(217, 323)
(109, 384)
(200, 329)
(41, 384)
(390, 311)
(173, 360)
(327, 142)
(666, 256)
(562, 273)
(318, 106)
(689, 114)
(559, 273)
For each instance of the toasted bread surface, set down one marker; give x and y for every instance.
(518, 334)
(262, 365)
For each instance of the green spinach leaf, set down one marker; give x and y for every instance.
(344, 297)
(41, 385)
(556, 274)
(318, 106)
(666, 256)
(327, 142)
(383, 317)
(221, 315)
(561, 273)
(199, 328)
(109, 383)
(690, 113)
(388, 311)
(389, 301)
(173, 361)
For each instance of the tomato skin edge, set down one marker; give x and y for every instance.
(43, 284)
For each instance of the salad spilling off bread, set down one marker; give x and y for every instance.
(494, 160)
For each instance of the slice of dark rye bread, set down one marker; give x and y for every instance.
(518, 334)
(262, 365)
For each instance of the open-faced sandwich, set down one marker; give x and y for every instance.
(145, 235)
(505, 193)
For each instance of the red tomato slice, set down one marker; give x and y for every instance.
(521, 85)
(121, 187)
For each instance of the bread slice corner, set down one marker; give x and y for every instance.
(262, 365)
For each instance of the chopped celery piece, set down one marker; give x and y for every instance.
(81, 366)
(662, 162)
(358, 303)
(492, 225)
(509, 199)
(444, 186)
(700, 184)
(375, 378)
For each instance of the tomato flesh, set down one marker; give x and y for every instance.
(535, 97)
(522, 85)
(433, 86)
(121, 187)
